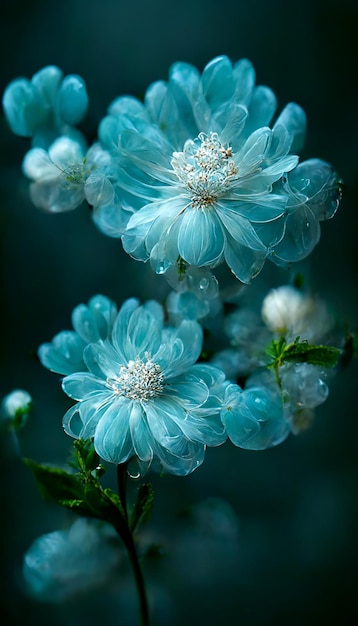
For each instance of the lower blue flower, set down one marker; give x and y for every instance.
(144, 395)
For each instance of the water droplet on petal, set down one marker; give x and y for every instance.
(204, 283)
(134, 475)
(134, 468)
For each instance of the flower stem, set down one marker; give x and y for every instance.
(129, 542)
(140, 583)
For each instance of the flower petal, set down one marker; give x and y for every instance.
(200, 238)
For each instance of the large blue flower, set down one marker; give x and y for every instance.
(205, 175)
(139, 391)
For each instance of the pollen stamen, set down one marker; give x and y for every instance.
(141, 379)
(205, 170)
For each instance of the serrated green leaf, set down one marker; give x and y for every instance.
(77, 506)
(84, 497)
(303, 352)
(113, 497)
(55, 483)
(143, 506)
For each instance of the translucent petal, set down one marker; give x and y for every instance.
(301, 235)
(229, 123)
(140, 433)
(261, 109)
(189, 458)
(95, 321)
(65, 152)
(47, 81)
(166, 210)
(162, 108)
(239, 228)
(72, 423)
(128, 106)
(321, 185)
(218, 81)
(186, 78)
(244, 76)
(201, 237)
(81, 384)
(167, 218)
(286, 164)
(72, 99)
(110, 218)
(184, 83)
(23, 107)
(112, 439)
(64, 354)
(189, 390)
(164, 253)
(259, 209)
(37, 165)
(152, 157)
(50, 195)
(120, 329)
(143, 333)
(155, 309)
(253, 151)
(293, 118)
(103, 360)
(99, 190)
(244, 262)
(164, 418)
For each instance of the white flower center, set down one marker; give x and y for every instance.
(142, 379)
(205, 167)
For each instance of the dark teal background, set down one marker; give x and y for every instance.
(293, 562)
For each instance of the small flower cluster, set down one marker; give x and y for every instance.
(198, 175)
(287, 315)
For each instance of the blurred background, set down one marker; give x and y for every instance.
(251, 538)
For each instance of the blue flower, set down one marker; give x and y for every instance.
(207, 178)
(61, 564)
(91, 323)
(254, 418)
(65, 175)
(139, 389)
(47, 106)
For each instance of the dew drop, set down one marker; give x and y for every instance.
(133, 469)
(204, 283)
(161, 268)
(133, 474)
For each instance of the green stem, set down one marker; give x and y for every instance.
(122, 486)
(140, 583)
(129, 542)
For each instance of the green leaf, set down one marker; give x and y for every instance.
(276, 349)
(80, 493)
(85, 456)
(303, 352)
(55, 483)
(143, 506)
(113, 497)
